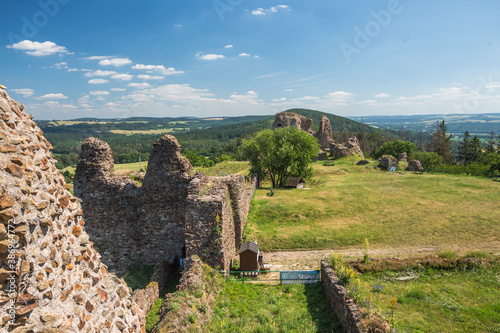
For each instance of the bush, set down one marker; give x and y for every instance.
(395, 149)
(429, 160)
(473, 169)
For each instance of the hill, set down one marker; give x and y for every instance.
(131, 138)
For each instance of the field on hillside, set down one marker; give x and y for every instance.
(432, 300)
(348, 203)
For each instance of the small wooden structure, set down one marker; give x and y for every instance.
(295, 182)
(249, 256)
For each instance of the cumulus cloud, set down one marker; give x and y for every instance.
(180, 93)
(38, 49)
(118, 89)
(228, 46)
(382, 95)
(210, 56)
(72, 69)
(53, 96)
(98, 81)
(157, 68)
(149, 77)
(243, 55)
(99, 93)
(123, 77)
(117, 62)
(274, 9)
(100, 73)
(26, 92)
(139, 85)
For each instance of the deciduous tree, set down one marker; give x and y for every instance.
(281, 153)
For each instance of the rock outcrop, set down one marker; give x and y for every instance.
(51, 277)
(324, 135)
(388, 161)
(415, 165)
(287, 119)
(351, 148)
(403, 157)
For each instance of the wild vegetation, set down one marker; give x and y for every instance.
(447, 294)
(246, 307)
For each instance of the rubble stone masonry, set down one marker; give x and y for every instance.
(172, 215)
(51, 277)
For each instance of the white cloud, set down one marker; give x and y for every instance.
(288, 89)
(72, 69)
(139, 85)
(210, 56)
(99, 93)
(228, 46)
(38, 49)
(274, 9)
(382, 95)
(98, 81)
(243, 55)
(180, 93)
(60, 65)
(118, 89)
(251, 97)
(149, 77)
(98, 57)
(26, 92)
(100, 73)
(178, 26)
(117, 62)
(123, 77)
(53, 96)
(158, 68)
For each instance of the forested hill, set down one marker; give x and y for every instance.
(132, 139)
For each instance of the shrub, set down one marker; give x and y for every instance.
(429, 160)
(447, 254)
(344, 272)
(395, 149)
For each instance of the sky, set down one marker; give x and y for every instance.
(66, 59)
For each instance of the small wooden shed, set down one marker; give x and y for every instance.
(295, 182)
(249, 256)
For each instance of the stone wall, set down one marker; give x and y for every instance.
(51, 277)
(348, 313)
(146, 224)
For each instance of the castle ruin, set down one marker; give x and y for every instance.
(174, 214)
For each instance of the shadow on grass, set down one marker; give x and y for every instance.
(319, 308)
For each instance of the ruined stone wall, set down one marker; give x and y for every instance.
(51, 277)
(172, 214)
(133, 224)
(210, 231)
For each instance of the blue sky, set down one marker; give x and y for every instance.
(67, 59)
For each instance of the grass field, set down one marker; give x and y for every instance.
(244, 307)
(225, 168)
(125, 166)
(438, 300)
(348, 203)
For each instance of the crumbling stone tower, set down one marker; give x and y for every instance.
(51, 277)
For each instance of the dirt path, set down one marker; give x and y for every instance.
(301, 260)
